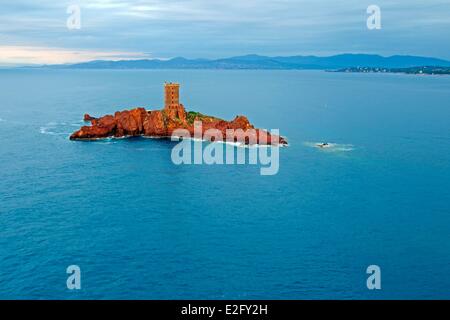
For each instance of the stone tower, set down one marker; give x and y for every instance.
(172, 106)
(171, 94)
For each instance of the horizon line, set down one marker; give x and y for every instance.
(112, 59)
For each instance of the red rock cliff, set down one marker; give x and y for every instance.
(161, 123)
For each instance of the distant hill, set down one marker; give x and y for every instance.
(263, 62)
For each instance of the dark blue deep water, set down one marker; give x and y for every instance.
(141, 227)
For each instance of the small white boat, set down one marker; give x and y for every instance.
(323, 145)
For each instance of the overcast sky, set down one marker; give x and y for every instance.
(36, 32)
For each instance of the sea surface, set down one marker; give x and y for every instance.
(141, 227)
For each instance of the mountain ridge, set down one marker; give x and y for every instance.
(254, 61)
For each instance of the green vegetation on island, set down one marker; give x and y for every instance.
(191, 116)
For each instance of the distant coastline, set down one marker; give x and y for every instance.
(422, 70)
(341, 62)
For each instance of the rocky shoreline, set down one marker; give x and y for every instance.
(173, 120)
(163, 123)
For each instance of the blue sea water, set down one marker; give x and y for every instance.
(141, 227)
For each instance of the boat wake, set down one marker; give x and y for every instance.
(330, 147)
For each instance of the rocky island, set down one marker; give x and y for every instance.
(163, 123)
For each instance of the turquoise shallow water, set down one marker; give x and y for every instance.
(142, 227)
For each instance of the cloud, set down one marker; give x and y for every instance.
(46, 55)
(212, 29)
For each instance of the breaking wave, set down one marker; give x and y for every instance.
(56, 129)
(231, 143)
